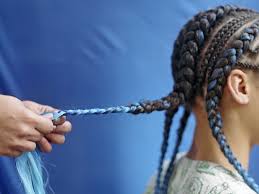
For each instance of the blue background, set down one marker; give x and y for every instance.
(85, 53)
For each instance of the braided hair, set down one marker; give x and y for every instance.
(207, 48)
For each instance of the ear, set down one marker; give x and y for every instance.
(237, 83)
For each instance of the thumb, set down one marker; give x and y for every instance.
(38, 108)
(44, 145)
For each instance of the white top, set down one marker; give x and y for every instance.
(202, 177)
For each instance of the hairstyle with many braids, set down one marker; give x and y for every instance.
(208, 47)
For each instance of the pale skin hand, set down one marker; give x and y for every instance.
(20, 127)
(57, 136)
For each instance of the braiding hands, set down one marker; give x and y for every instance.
(61, 126)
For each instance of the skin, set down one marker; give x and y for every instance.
(22, 127)
(240, 109)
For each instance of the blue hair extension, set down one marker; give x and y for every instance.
(168, 122)
(29, 167)
(135, 108)
(117, 109)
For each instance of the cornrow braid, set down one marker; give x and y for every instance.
(218, 42)
(216, 80)
(246, 66)
(188, 46)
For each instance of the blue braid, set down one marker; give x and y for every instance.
(116, 109)
(135, 108)
(168, 122)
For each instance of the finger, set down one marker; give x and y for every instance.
(56, 138)
(60, 120)
(44, 145)
(34, 136)
(44, 125)
(26, 146)
(27, 132)
(64, 128)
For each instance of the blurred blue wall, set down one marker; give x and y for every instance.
(75, 53)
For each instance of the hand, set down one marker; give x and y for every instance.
(57, 136)
(20, 127)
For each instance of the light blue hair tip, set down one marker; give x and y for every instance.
(56, 115)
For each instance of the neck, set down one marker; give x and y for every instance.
(205, 146)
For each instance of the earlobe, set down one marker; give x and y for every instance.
(237, 83)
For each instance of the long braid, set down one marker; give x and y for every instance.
(180, 132)
(167, 126)
(217, 78)
(135, 108)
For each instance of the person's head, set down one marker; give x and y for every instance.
(240, 91)
(215, 65)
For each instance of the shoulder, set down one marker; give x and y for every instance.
(204, 177)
